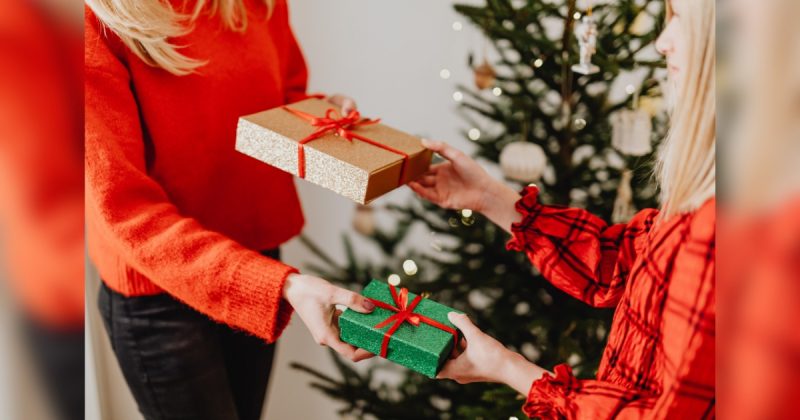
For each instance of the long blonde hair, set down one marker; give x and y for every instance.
(686, 168)
(146, 26)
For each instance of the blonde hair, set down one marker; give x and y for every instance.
(146, 26)
(686, 168)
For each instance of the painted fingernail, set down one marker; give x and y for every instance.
(368, 305)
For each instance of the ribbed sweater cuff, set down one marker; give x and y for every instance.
(256, 293)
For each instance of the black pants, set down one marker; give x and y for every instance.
(58, 355)
(179, 364)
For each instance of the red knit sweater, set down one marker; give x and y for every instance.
(171, 206)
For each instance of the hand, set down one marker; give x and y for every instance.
(346, 103)
(460, 183)
(485, 359)
(314, 299)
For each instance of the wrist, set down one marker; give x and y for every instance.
(290, 285)
(518, 372)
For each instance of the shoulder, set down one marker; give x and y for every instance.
(102, 49)
(703, 222)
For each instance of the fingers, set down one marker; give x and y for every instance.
(347, 104)
(445, 150)
(429, 194)
(362, 354)
(463, 323)
(345, 350)
(353, 301)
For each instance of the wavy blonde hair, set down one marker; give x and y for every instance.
(146, 26)
(686, 168)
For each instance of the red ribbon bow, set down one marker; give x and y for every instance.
(405, 313)
(334, 122)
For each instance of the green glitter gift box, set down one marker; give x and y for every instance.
(404, 328)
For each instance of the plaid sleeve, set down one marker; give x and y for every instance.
(685, 342)
(576, 250)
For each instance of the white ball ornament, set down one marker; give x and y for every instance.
(523, 161)
(631, 131)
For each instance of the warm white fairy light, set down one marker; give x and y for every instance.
(630, 89)
(497, 91)
(457, 26)
(444, 74)
(538, 63)
(394, 279)
(580, 124)
(577, 16)
(466, 213)
(458, 96)
(474, 134)
(410, 267)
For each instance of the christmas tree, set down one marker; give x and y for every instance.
(529, 96)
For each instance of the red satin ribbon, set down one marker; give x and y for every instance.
(405, 313)
(334, 122)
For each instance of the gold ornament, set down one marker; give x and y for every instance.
(485, 75)
(364, 220)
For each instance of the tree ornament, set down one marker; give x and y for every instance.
(631, 132)
(623, 204)
(523, 161)
(586, 32)
(485, 75)
(364, 220)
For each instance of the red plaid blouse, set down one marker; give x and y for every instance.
(659, 360)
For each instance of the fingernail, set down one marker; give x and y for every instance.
(368, 305)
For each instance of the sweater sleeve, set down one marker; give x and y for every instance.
(577, 251)
(295, 69)
(205, 269)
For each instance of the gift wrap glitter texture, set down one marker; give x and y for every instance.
(355, 169)
(422, 348)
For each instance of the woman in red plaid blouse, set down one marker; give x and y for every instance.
(657, 270)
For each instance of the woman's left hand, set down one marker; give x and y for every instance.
(346, 103)
(485, 359)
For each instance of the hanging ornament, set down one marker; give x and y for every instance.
(485, 75)
(523, 161)
(364, 220)
(631, 130)
(623, 204)
(586, 32)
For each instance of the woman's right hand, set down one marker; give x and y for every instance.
(315, 300)
(458, 183)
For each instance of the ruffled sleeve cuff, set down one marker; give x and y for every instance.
(528, 206)
(548, 396)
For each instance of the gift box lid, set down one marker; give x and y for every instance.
(425, 339)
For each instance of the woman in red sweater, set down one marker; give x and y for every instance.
(185, 231)
(657, 270)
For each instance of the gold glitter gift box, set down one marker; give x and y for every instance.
(356, 157)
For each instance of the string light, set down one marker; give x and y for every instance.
(457, 26)
(410, 267)
(474, 134)
(538, 63)
(444, 74)
(394, 279)
(630, 89)
(458, 96)
(580, 124)
(577, 15)
(497, 91)
(466, 213)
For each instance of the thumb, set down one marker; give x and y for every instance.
(353, 301)
(463, 323)
(445, 150)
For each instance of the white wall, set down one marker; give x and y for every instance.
(387, 55)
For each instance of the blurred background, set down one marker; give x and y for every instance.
(491, 78)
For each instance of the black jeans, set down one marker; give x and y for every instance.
(58, 355)
(179, 364)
